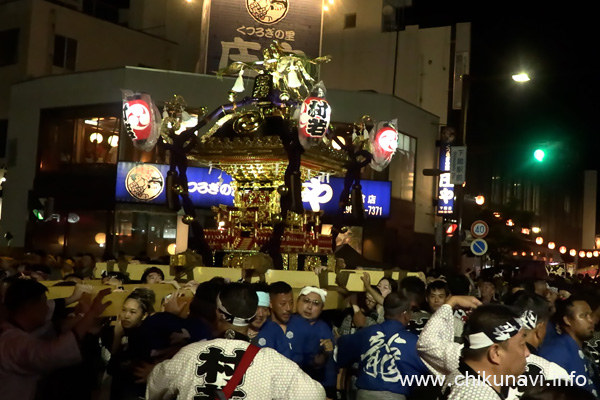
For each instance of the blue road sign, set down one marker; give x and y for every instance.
(479, 247)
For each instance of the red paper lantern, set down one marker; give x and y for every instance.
(138, 117)
(386, 140)
(141, 119)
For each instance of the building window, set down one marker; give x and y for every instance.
(91, 135)
(567, 205)
(139, 232)
(60, 236)
(517, 192)
(65, 52)
(76, 136)
(9, 47)
(350, 21)
(107, 10)
(395, 15)
(402, 170)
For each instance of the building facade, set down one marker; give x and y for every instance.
(59, 156)
(403, 70)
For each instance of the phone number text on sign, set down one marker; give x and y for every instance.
(370, 210)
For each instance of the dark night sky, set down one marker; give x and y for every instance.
(558, 44)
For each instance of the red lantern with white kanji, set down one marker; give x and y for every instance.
(384, 143)
(141, 119)
(315, 115)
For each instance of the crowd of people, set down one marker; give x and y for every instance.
(450, 336)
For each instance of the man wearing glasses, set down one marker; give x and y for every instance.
(317, 346)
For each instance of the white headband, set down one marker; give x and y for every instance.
(263, 299)
(236, 321)
(311, 289)
(501, 333)
(529, 319)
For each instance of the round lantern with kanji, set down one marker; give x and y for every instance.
(315, 116)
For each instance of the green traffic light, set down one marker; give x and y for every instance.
(539, 155)
(38, 214)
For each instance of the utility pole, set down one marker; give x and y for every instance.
(459, 190)
(457, 117)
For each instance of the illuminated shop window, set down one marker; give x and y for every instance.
(404, 163)
(139, 232)
(87, 140)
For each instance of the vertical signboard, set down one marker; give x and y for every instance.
(239, 30)
(458, 165)
(462, 49)
(445, 188)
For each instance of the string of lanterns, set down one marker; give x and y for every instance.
(539, 240)
(563, 250)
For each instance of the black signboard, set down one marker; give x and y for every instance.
(239, 30)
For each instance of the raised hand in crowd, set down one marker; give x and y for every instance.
(366, 278)
(191, 285)
(88, 321)
(173, 304)
(463, 302)
(78, 291)
(172, 282)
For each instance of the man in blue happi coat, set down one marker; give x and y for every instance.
(317, 344)
(387, 353)
(574, 319)
(283, 329)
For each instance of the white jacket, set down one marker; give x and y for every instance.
(441, 354)
(211, 364)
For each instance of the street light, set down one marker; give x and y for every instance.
(521, 77)
(462, 141)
